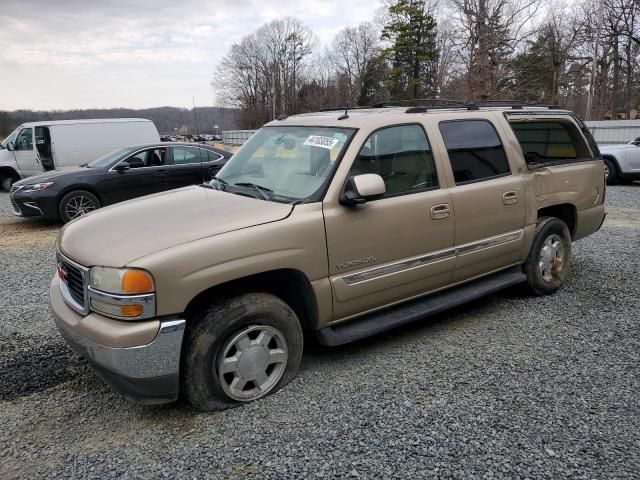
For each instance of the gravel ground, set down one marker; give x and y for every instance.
(508, 386)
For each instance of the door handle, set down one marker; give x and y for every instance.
(438, 212)
(509, 198)
(161, 173)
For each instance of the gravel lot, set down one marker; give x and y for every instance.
(505, 387)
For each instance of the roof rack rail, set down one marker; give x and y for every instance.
(423, 105)
(438, 104)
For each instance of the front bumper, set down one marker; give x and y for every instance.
(145, 373)
(35, 204)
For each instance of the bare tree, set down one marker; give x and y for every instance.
(351, 51)
(488, 33)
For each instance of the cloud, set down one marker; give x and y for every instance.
(66, 43)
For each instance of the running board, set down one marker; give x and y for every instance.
(404, 313)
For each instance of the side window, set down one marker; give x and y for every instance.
(183, 156)
(474, 150)
(212, 156)
(148, 158)
(550, 140)
(401, 156)
(24, 141)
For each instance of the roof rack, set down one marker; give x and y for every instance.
(423, 105)
(437, 104)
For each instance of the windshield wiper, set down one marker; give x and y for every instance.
(259, 188)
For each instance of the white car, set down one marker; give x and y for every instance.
(622, 162)
(37, 147)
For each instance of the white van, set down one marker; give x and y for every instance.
(35, 147)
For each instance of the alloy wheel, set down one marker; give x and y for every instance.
(551, 258)
(252, 362)
(78, 206)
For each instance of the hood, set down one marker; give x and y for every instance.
(52, 175)
(117, 235)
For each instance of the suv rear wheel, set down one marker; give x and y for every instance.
(548, 262)
(239, 350)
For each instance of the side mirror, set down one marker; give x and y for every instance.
(363, 188)
(636, 141)
(122, 167)
(10, 146)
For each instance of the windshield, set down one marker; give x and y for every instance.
(12, 136)
(290, 163)
(106, 160)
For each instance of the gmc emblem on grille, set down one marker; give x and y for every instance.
(62, 273)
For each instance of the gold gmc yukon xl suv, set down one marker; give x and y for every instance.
(334, 224)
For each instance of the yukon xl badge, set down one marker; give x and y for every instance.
(356, 262)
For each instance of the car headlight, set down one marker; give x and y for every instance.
(35, 187)
(122, 292)
(122, 281)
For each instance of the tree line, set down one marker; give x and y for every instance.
(525, 50)
(168, 120)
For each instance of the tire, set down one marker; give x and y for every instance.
(229, 329)
(610, 172)
(7, 182)
(549, 259)
(76, 204)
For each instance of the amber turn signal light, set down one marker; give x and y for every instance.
(136, 281)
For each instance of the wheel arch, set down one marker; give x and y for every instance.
(9, 172)
(290, 285)
(74, 187)
(566, 212)
(614, 159)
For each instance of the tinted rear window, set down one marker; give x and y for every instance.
(549, 140)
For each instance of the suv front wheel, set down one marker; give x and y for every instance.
(239, 350)
(550, 256)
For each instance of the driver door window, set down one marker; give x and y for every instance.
(402, 157)
(148, 158)
(24, 140)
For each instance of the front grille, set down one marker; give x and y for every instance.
(74, 277)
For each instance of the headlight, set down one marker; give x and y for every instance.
(123, 293)
(122, 281)
(34, 187)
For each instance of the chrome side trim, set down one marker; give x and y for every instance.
(422, 260)
(399, 266)
(146, 301)
(490, 242)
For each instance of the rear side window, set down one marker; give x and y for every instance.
(474, 150)
(184, 156)
(212, 156)
(550, 141)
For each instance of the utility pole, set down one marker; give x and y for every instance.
(195, 117)
(596, 46)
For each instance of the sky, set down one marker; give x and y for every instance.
(67, 54)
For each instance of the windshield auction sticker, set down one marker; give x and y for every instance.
(322, 142)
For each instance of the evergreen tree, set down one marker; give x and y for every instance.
(413, 52)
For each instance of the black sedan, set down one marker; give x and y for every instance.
(120, 175)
